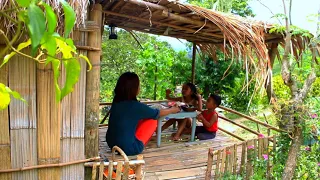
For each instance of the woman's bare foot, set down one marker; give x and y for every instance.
(175, 138)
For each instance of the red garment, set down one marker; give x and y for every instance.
(145, 130)
(207, 116)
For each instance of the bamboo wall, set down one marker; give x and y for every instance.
(42, 131)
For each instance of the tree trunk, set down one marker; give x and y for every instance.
(291, 163)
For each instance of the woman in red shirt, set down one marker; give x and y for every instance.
(209, 119)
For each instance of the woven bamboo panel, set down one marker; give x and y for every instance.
(23, 116)
(49, 122)
(73, 119)
(5, 157)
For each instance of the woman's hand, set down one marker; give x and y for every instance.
(176, 109)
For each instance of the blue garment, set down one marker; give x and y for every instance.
(124, 118)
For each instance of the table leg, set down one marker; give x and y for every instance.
(174, 125)
(159, 132)
(193, 130)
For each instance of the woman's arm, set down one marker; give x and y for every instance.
(164, 112)
(199, 104)
(207, 124)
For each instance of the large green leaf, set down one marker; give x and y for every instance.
(51, 18)
(72, 76)
(4, 96)
(69, 18)
(36, 25)
(24, 3)
(51, 46)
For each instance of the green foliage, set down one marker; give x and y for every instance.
(280, 89)
(41, 22)
(239, 7)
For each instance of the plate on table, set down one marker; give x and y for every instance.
(187, 108)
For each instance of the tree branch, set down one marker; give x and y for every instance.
(286, 67)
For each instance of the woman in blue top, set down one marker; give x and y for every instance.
(132, 123)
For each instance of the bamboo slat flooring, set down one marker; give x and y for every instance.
(173, 160)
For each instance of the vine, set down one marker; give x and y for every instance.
(39, 21)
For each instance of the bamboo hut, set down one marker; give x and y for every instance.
(44, 139)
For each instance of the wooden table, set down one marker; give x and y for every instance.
(180, 115)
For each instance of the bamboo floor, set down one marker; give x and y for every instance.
(173, 160)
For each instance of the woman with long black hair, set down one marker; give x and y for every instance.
(132, 123)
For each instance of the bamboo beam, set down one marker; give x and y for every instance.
(194, 52)
(92, 90)
(166, 13)
(237, 124)
(49, 165)
(251, 119)
(161, 24)
(197, 23)
(88, 48)
(234, 135)
(145, 102)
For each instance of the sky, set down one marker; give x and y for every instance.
(302, 11)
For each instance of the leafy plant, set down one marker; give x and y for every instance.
(5, 93)
(46, 44)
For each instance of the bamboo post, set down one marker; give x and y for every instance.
(101, 170)
(243, 157)
(235, 156)
(139, 168)
(223, 162)
(110, 169)
(217, 170)
(250, 154)
(94, 171)
(119, 170)
(260, 147)
(209, 164)
(5, 157)
(226, 169)
(92, 90)
(194, 52)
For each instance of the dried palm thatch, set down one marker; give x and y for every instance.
(238, 38)
(80, 7)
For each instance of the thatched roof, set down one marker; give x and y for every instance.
(211, 30)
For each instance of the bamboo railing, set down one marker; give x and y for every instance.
(238, 158)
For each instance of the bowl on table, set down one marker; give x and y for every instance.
(187, 108)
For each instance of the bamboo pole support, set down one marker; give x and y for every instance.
(49, 165)
(110, 170)
(243, 157)
(139, 168)
(250, 154)
(94, 172)
(5, 150)
(217, 170)
(209, 164)
(194, 52)
(92, 90)
(235, 156)
(101, 170)
(251, 119)
(126, 170)
(240, 125)
(223, 161)
(230, 133)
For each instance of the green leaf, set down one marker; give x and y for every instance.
(51, 46)
(24, 3)
(36, 26)
(69, 18)
(56, 74)
(87, 59)
(20, 47)
(72, 76)
(51, 18)
(4, 96)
